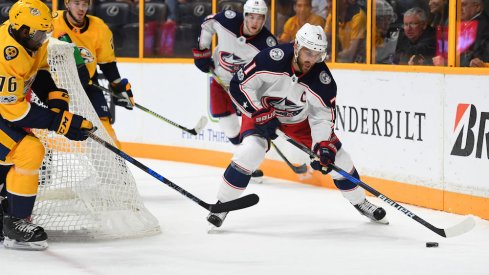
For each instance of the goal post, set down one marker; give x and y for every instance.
(85, 191)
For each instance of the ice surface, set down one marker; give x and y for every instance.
(294, 229)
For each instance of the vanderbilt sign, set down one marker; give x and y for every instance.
(380, 122)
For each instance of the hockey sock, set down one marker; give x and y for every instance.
(20, 207)
(351, 191)
(235, 180)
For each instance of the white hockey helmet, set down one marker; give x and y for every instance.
(313, 38)
(255, 6)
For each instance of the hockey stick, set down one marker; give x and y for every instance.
(297, 169)
(301, 169)
(200, 124)
(243, 202)
(458, 229)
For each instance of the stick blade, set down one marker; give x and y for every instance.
(243, 202)
(302, 169)
(463, 227)
(200, 125)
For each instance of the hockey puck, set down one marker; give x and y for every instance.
(431, 244)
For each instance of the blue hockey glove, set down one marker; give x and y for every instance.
(266, 123)
(326, 151)
(123, 90)
(202, 59)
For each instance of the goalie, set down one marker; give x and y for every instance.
(94, 40)
(23, 50)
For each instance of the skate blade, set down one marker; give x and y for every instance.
(383, 221)
(258, 180)
(213, 229)
(34, 246)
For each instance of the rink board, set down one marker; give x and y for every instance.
(399, 128)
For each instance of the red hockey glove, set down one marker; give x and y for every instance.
(326, 151)
(202, 59)
(266, 123)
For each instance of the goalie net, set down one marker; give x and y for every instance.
(85, 191)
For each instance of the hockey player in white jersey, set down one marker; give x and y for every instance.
(241, 37)
(290, 88)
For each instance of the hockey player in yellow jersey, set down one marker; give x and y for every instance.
(23, 66)
(94, 40)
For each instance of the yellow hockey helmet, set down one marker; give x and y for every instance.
(33, 14)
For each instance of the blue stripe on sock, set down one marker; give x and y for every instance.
(345, 184)
(235, 177)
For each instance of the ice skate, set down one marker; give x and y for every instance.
(22, 234)
(373, 212)
(257, 176)
(216, 219)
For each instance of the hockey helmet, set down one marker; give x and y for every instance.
(313, 38)
(33, 14)
(255, 6)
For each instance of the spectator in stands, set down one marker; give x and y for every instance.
(283, 10)
(320, 7)
(327, 28)
(352, 21)
(439, 21)
(303, 14)
(473, 39)
(385, 37)
(417, 41)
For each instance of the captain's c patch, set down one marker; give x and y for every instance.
(10, 52)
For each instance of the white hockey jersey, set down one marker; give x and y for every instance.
(233, 49)
(269, 81)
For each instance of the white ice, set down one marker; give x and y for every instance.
(294, 229)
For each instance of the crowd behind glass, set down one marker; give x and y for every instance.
(407, 32)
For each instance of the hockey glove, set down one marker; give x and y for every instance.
(58, 100)
(74, 127)
(326, 151)
(123, 94)
(266, 123)
(202, 59)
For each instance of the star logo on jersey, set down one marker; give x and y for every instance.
(276, 54)
(10, 52)
(230, 62)
(324, 78)
(229, 13)
(271, 41)
(283, 107)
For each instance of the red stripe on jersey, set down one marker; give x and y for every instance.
(251, 67)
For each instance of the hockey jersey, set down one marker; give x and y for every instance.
(233, 49)
(94, 39)
(269, 80)
(18, 71)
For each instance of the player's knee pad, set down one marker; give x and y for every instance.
(110, 130)
(27, 158)
(250, 154)
(230, 125)
(343, 161)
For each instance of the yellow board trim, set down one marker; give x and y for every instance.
(400, 192)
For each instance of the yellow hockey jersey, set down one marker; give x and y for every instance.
(94, 39)
(18, 69)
